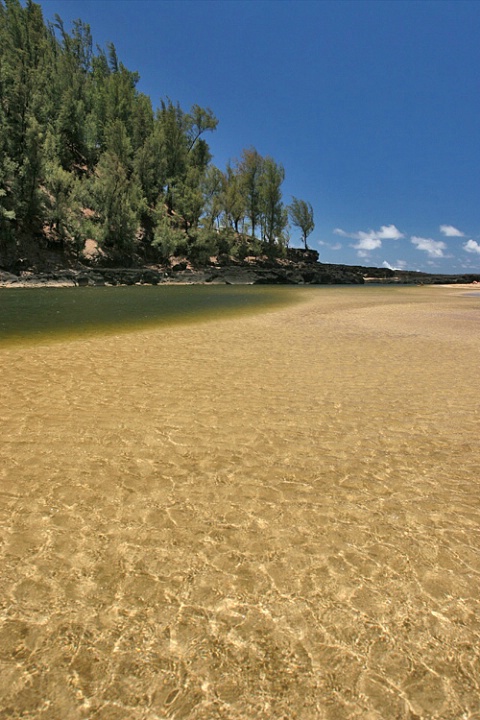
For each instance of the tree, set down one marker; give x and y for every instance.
(250, 170)
(117, 192)
(213, 188)
(185, 158)
(171, 121)
(233, 199)
(142, 121)
(199, 120)
(274, 216)
(188, 199)
(301, 215)
(70, 128)
(58, 185)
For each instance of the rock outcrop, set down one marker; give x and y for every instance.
(301, 267)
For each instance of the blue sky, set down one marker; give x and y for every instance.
(371, 106)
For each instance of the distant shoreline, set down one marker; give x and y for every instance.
(462, 286)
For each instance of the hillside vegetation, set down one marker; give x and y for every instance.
(87, 162)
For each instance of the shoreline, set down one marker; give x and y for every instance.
(460, 286)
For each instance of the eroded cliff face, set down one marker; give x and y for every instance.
(228, 272)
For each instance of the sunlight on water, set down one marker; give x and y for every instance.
(277, 516)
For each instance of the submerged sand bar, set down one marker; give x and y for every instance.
(271, 516)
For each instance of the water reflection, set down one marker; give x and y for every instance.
(33, 314)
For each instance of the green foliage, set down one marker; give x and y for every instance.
(199, 121)
(71, 130)
(226, 241)
(188, 199)
(204, 247)
(119, 202)
(118, 143)
(213, 185)
(168, 240)
(241, 250)
(150, 167)
(27, 185)
(6, 218)
(142, 121)
(58, 185)
(232, 198)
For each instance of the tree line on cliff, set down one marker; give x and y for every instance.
(84, 155)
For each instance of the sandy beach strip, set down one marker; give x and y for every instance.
(461, 286)
(270, 516)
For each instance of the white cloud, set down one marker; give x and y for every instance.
(371, 240)
(434, 248)
(331, 246)
(399, 265)
(450, 231)
(386, 232)
(390, 232)
(472, 246)
(367, 243)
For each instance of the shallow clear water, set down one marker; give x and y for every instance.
(275, 516)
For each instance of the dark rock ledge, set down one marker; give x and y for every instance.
(300, 268)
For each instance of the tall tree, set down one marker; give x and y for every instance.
(301, 216)
(274, 215)
(171, 119)
(213, 188)
(185, 158)
(233, 199)
(250, 168)
(118, 194)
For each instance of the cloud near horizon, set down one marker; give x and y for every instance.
(331, 246)
(472, 246)
(450, 231)
(371, 240)
(367, 246)
(399, 265)
(434, 248)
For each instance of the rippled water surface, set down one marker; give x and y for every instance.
(269, 516)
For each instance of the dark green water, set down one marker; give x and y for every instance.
(48, 314)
